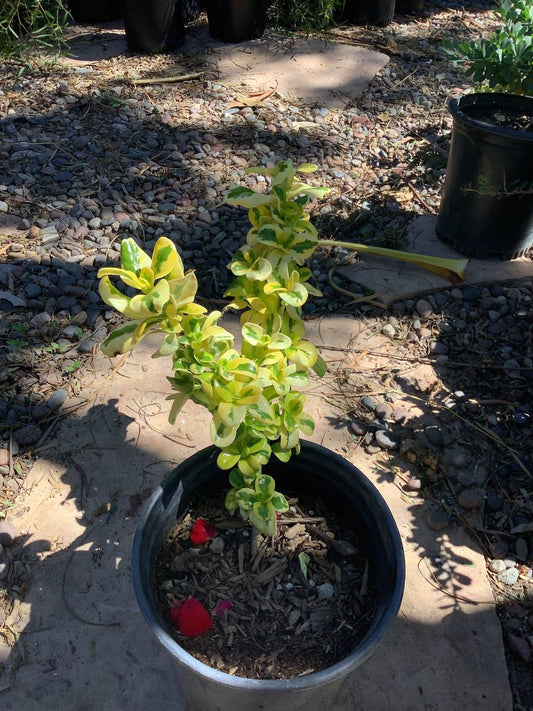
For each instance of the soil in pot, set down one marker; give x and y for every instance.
(283, 623)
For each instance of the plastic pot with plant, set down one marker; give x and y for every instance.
(486, 208)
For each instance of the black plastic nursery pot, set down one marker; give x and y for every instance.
(483, 212)
(236, 20)
(409, 6)
(369, 12)
(95, 11)
(153, 25)
(315, 469)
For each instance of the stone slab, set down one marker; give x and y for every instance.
(394, 280)
(309, 70)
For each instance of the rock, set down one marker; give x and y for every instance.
(413, 484)
(28, 435)
(434, 436)
(497, 565)
(325, 591)
(358, 428)
(466, 479)
(8, 533)
(423, 308)
(57, 399)
(437, 519)
(509, 576)
(519, 648)
(4, 457)
(386, 440)
(369, 403)
(399, 415)
(388, 330)
(217, 545)
(384, 410)
(470, 498)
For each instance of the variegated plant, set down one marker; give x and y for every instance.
(254, 396)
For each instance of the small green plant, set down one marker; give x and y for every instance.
(17, 342)
(504, 61)
(307, 15)
(33, 24)
(74, 366)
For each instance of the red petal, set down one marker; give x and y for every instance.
(221, 608)
(202, 532)
(193, 619)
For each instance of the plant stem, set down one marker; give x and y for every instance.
(448, 268)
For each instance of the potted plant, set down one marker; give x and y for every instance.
(153, 25)
(369, 12)
(236, 20)
(486, 208)
(255, 400)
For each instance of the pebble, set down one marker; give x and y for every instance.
(4, 457)
(509, 576)
(325, 591)
(413, 484)
(437, 519)
(57, 399)
(423, 308)
(358, 428)
(387, 440)
(369, 403)
(470, 498)
(388, 330)
(8, 533)
(434, 436)
(497, 565)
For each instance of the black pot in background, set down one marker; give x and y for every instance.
(236, 20)
(369, 12)
(94, 10)
(153, 25)
(409, 6)
(342, 486)
(484, 159)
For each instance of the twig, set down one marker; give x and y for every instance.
(167, 80)
(355, 298)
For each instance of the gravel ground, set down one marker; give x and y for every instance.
(87, 157)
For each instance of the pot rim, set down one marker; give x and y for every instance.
(335, 672)
(458, 107)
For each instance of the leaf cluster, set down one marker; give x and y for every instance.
(306, 15)
(254, 395)
(34, 24)
(503, 61)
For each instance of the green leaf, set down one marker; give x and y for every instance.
(121, 340)
(320, 367)
(164, 258)
(263, 517)
(132, 257)
(304, 560)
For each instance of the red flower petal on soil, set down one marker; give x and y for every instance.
(202, 532)
(192, 618)
(221, 608)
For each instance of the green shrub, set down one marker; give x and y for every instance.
(305, 15)
(504, 61)
(37, 24)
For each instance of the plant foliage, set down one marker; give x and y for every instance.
(504, 61)
(307, 15)
(34, 24)
(253, 395)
